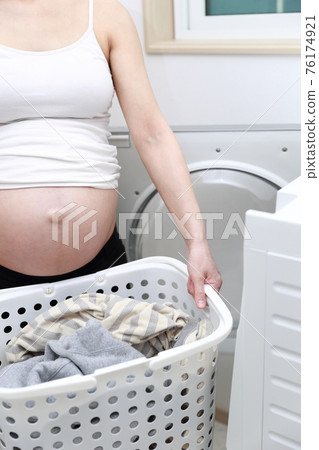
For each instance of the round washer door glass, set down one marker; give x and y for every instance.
(224, 196)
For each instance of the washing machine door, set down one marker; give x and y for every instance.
(224, 196)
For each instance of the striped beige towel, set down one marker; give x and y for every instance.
(149, 327)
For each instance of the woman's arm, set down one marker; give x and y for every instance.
(158, 149)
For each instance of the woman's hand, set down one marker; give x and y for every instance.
(202, 270)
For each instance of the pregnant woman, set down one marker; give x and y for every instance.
(60, 63)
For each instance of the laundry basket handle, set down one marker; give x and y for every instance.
(62, 386)
(221, 319)
(217, 305)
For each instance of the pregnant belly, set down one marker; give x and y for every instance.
(54, 230)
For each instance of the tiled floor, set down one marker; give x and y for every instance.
(219, 442)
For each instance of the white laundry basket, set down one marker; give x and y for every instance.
(164, 403)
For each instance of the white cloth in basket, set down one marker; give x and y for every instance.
(148, 327)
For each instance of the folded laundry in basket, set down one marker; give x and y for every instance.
(88, 349)
(149, 327)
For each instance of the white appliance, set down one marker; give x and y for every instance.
(265, 398)
(233, 169)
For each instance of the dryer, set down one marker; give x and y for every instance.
(233, 169)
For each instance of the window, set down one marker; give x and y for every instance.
(222, 7)
(219, 26)
(237, 19)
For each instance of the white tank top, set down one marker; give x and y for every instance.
(54, 116)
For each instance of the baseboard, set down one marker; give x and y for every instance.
(221, 416)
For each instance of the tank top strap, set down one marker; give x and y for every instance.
(91, 14)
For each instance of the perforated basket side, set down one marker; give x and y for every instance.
(130, 406)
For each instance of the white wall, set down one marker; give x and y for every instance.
(220, 89)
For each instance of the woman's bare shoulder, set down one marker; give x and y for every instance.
(114, 21)
(113, 11)
(113, 25)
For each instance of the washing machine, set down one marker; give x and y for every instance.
(233, 169)
(265, 407)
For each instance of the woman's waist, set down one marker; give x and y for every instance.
(49, 165)
(58, 129)
(49, 231)
(57, 152)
